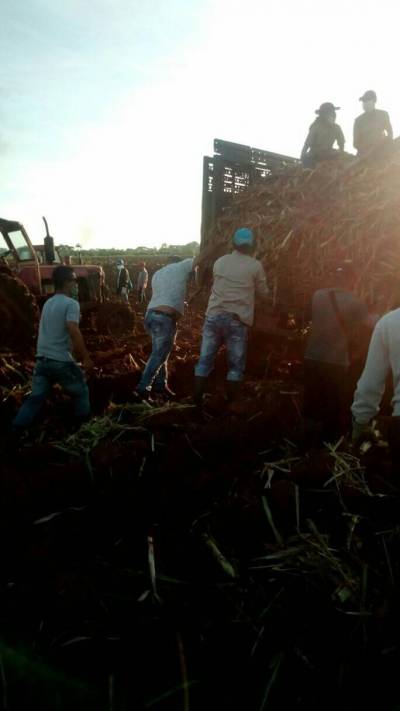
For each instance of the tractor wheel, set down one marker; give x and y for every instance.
(19, 313)
(115, 319)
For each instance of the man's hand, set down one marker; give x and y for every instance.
(78, 345)
(360, 431)
(87, 364)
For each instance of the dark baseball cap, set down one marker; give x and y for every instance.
(327, 108)
(368, 96)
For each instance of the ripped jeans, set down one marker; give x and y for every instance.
(162, 329)
(223, 329)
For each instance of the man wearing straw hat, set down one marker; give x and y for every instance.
(323, 134)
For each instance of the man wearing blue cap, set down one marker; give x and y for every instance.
(237, 278)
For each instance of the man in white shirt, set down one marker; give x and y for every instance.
(163, 313)
(383, 357)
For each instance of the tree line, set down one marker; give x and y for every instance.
(183, 250)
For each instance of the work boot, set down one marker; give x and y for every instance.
(232, 390)
(139, 396)
(199, 388)
(164, 392)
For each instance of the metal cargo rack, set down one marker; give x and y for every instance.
(232, 169)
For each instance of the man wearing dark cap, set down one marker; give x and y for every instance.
(372, 127)
(323, 134)
(340, 328)
(60, 345)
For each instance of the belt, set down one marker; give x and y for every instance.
(53, 360)
(162, 313)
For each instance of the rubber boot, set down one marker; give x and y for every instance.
(199, 388)
(232, 390)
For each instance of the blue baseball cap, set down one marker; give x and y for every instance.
(243, 236)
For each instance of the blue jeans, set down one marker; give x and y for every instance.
(223, 329)
(162, 329)
(47, 372)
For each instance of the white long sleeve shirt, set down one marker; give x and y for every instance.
(383, 356)
(169, 285)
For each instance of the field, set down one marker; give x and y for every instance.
(162, 558)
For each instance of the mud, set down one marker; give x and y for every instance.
(168, 558)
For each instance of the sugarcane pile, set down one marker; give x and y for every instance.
(309, 221)
(159, 559)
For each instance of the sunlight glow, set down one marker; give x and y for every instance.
(254, 73)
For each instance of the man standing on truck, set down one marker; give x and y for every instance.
(59, 338)
(141, 283)
(237, 279)
(323, 134)
(340, 330)
(372, 127)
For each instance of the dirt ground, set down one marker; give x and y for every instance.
(169, 559)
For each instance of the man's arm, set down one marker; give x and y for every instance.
(307, 145)
(356, 135)
(208, 253)
(388, 126)
(340, 139)
(124, 277)
(260, 283)
(78, 345)
(371, 386)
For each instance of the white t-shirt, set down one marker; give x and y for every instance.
(169, 285)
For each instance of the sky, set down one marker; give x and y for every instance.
(107, 107)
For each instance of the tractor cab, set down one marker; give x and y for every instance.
(26, 281)
(18, 256)
(34, 265)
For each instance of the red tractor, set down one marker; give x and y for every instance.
(26, 282)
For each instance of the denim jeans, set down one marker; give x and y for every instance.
(47, 372)
(162, 329)
(223, 329)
